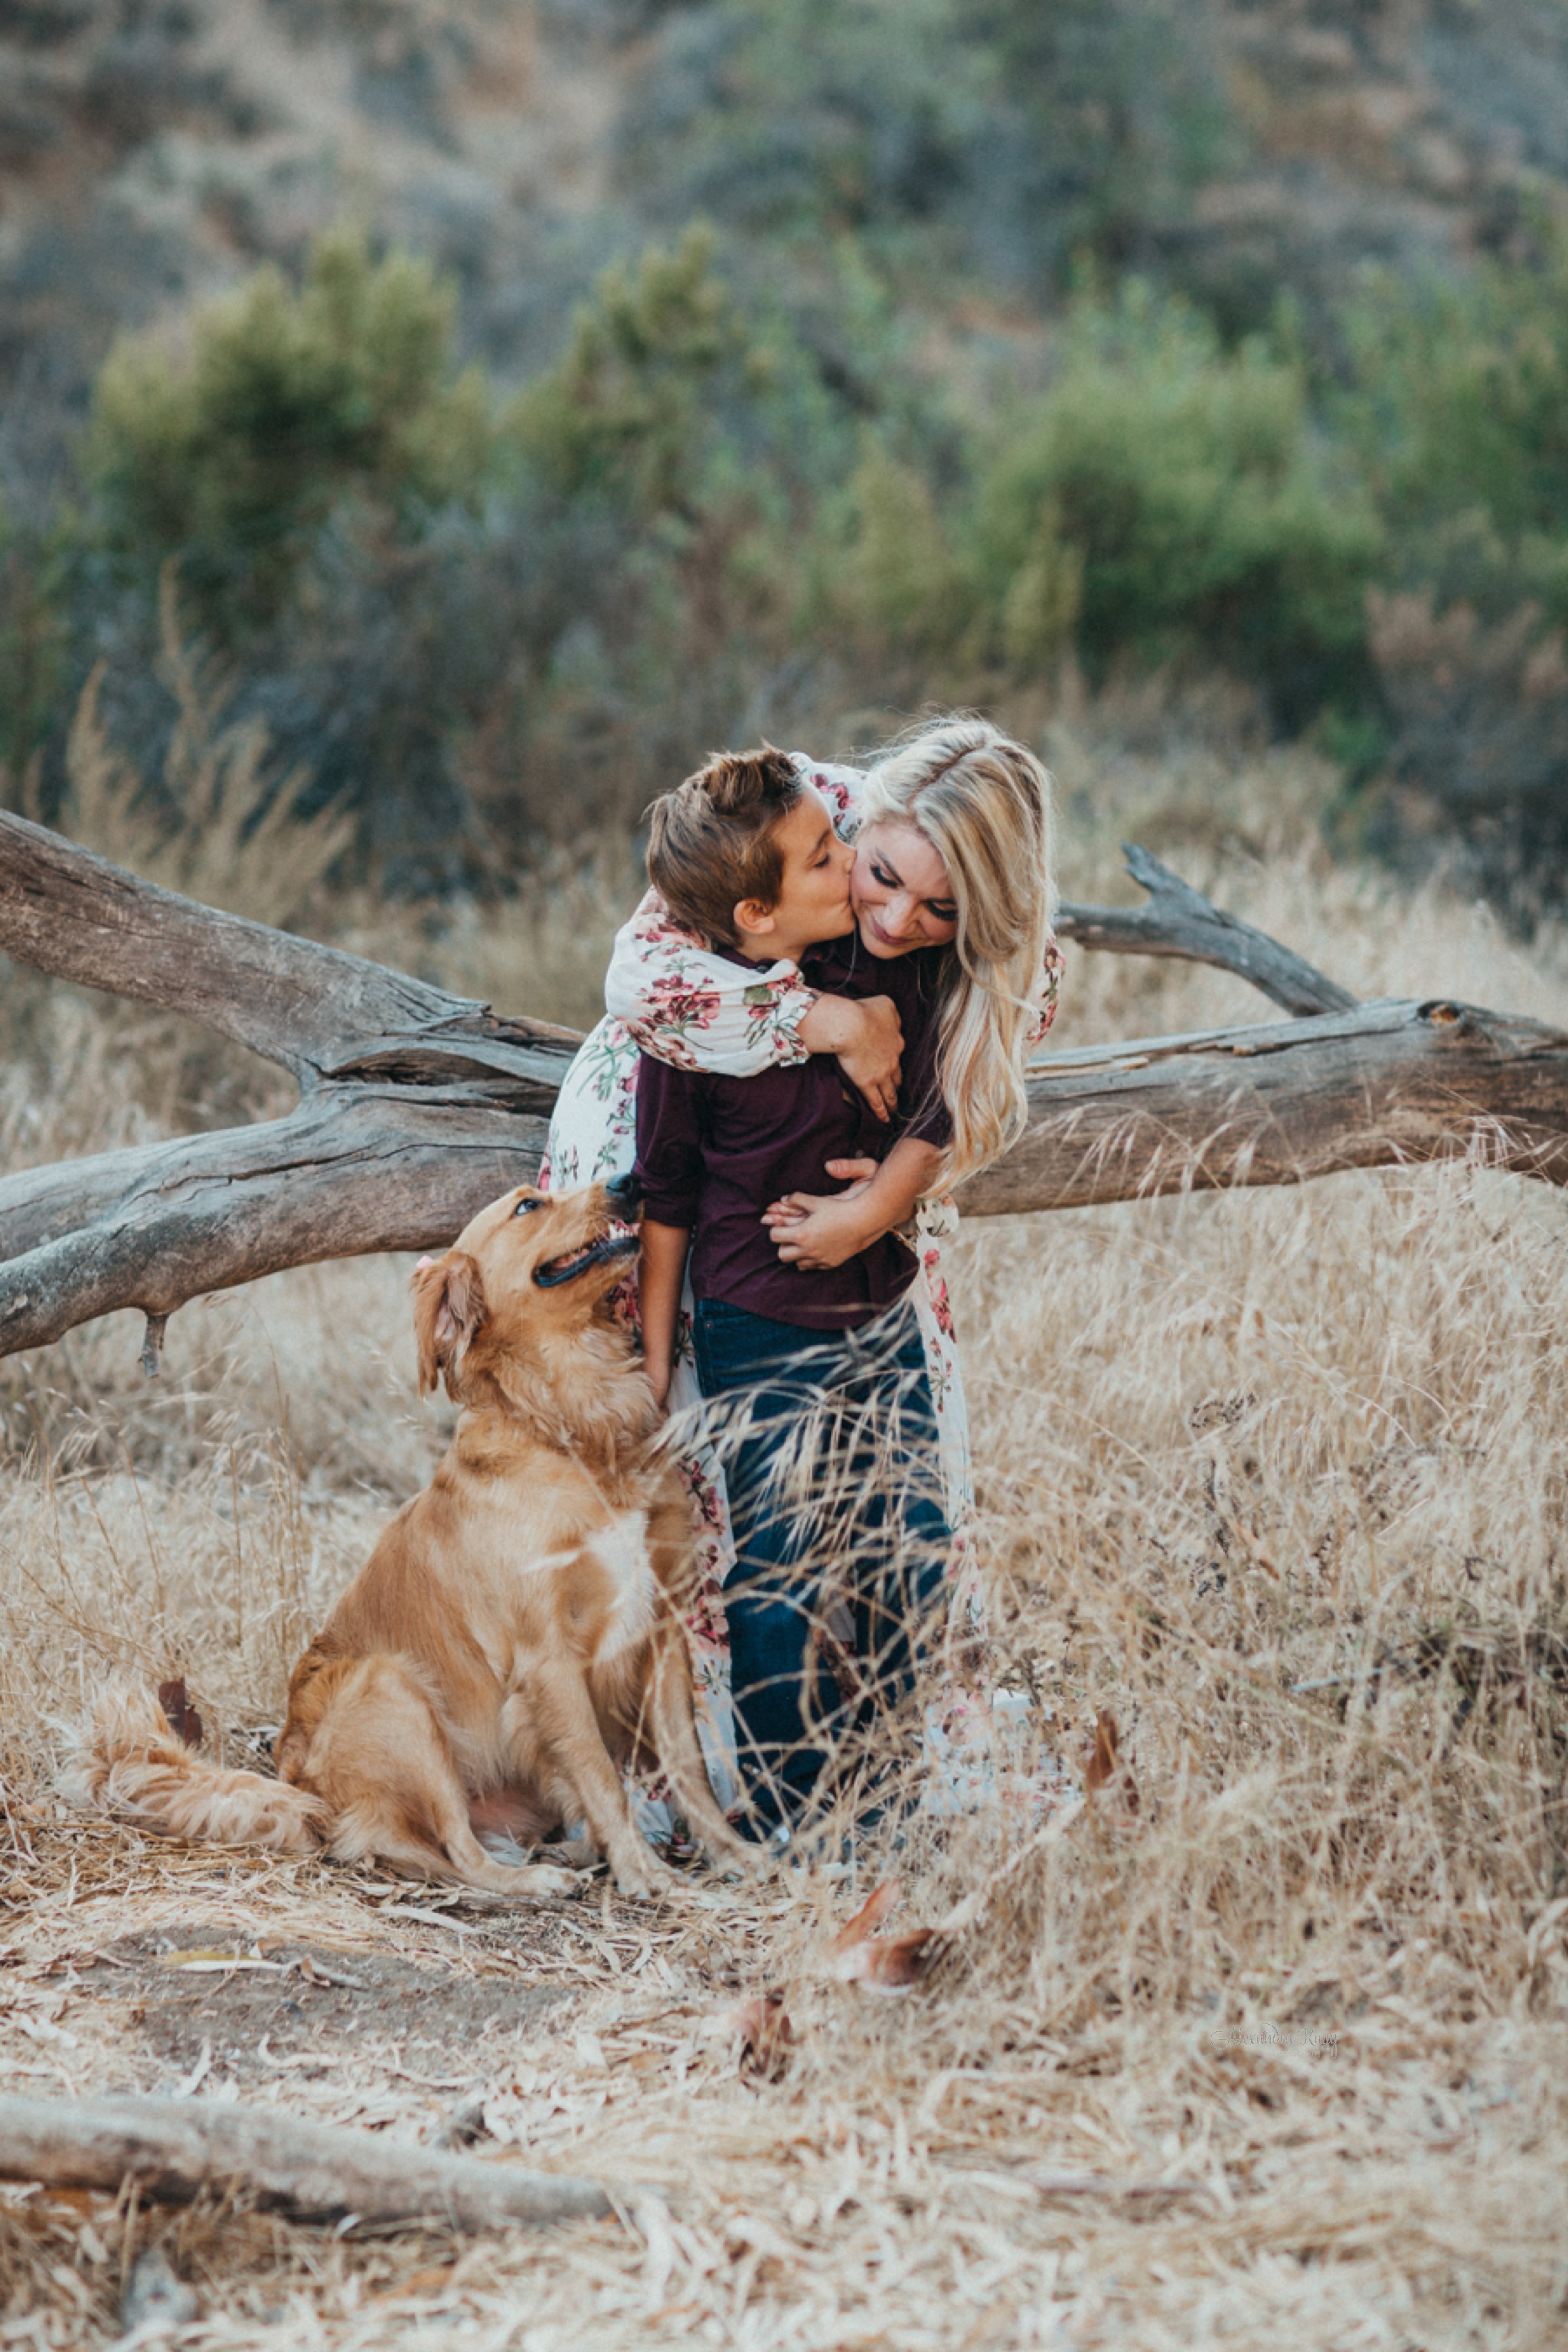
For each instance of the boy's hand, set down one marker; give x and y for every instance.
(868, 1039)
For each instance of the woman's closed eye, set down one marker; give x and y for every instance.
(944, 910)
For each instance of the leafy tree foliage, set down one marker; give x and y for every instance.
(1201, 518)
(290, 403)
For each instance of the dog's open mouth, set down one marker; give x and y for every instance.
(618, 1242)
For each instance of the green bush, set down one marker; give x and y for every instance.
(629, 413)
(893, 582)
(290, 403)
(1179, 490)
(1458, 415)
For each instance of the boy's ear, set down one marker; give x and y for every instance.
(448, 1307)
(750, 915)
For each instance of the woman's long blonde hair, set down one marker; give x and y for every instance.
(984, 803)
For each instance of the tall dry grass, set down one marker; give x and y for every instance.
(1276, 1478)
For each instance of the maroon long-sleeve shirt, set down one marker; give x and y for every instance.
(714, 1152)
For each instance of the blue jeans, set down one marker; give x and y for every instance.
(829, 1447)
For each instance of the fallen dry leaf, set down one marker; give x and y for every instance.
(869, 1916)
(886, 1963)
(761, 2027)
(1103, 1765)
(184, 1721)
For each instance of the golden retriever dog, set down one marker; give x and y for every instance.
(515, 1637)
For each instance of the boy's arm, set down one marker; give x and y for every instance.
(669, 1176)
(815, 1232)
(659, 1279)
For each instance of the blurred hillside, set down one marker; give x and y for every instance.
(1020, 347)
(153, 151)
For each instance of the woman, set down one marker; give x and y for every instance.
(952, 830)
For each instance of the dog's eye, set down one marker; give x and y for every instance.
(527, 1207)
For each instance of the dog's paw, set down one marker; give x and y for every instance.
(738, 1861)
(546, 1885)
(646, 1881)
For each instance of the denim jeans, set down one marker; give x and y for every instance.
(829, 1447)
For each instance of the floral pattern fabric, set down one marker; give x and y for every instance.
(670, 996)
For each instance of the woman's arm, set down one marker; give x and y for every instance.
(814, 1231)
(1046, 991)
(866, 1035)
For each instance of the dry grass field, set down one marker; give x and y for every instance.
(1276, 2058)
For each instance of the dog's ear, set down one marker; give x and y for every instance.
(448, 1307)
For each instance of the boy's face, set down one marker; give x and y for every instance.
(813, 903)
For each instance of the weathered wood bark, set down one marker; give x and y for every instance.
(174, 2149)
(1388, 1084)
(417, 1106)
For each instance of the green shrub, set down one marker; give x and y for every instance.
(1178, 489)
(1459, 413)
(894, 585)
(628, 411)
(290, 403)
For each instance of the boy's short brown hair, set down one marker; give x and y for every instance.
(712, 840)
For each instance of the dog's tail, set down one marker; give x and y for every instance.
(128, 1761)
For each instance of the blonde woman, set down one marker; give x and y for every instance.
(953, 839)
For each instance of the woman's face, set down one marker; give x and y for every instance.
(900, 892)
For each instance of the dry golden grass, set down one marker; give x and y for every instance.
(1276, 2058)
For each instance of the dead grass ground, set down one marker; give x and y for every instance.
(1279, 2058)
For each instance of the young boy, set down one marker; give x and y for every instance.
(744, 852)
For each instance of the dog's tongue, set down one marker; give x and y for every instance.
(423, 1264)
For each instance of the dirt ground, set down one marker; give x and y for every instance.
(1278, 2059)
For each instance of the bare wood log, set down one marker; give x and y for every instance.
(418, 1106)
(1388, 1084)
(320, 1012)
(174, 2149)
(1179, 921)
(345, 1174)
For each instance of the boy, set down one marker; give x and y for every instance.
(746, 851)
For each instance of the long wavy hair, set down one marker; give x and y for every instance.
(984, 803)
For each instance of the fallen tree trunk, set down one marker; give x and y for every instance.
(393, 1168)
(1389, 1084)
(417, 1106)
(174, 2148)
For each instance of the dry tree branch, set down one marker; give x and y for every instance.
(174, 2149)
(1179, 921)
(418, 1106)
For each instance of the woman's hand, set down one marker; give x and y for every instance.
(867, 1037)
(658, 1375)
(814, 1231)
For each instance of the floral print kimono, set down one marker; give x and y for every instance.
(669, 997)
